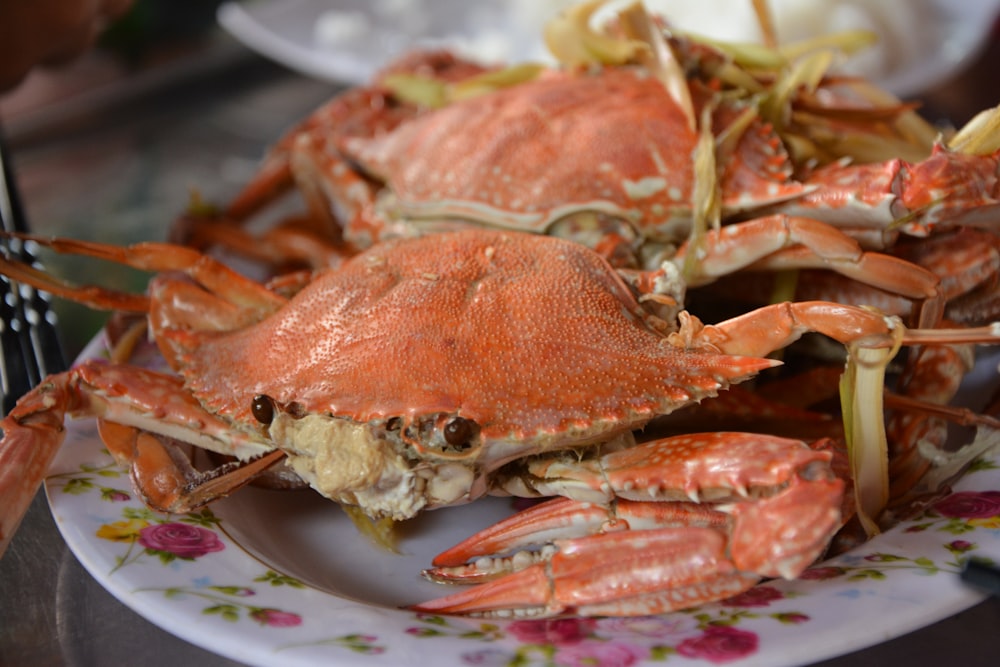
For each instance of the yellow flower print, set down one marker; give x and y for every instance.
(986, 522)
(122, 531)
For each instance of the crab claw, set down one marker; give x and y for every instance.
(471, 560)
(642, 572)
(638, 557)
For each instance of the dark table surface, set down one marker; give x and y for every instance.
(120, 173)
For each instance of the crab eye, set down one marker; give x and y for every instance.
(262, 408)
(458, 431)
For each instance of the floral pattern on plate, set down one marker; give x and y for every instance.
(210, 578)
(195, 578)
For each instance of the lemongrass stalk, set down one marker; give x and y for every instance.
(806, 73)
(423, 91)
(659, 58)
(980, 136)
(861, 393)
(493, 80)
(382, 532)
(706, 197)
(573, 41)
(847, 42)
(765, 18)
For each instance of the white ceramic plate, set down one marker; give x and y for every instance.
(358, 36)
(273, 578)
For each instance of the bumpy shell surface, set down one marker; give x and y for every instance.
(526, 335)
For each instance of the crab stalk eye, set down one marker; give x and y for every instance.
(458, 431)
(262, 408)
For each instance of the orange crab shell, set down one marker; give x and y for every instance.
(500, 158)
(466, 324)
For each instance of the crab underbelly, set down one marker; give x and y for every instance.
(352, 463)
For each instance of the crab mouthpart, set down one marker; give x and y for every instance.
(361, 464)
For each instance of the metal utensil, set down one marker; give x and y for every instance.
(29, 345)
(983, 574)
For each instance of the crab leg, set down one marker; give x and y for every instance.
(150, 256)
(781, 242)
(137, 399)
(967, 261)
(947, 188)
(771, 517)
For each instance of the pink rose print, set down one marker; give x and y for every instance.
(719, 644)
(552, 631)
(821, 573)
(276, 618)
(603, 653)
(959, 546)
(758, 596)
(180, 539)
(970, 505)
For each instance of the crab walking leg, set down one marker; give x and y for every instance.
(208, 272)
(783, 241)
(773, 327)
(948, 188)
(772, 514)
(33, 431)
(164, 476)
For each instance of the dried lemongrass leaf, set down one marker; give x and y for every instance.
(765, 17)
(659, 58)
(727, 141)
(748, 55)
(736, 77)
(574, 42)
(493, 80)
(420, 90)
(980, 136)
(380, 531)
(859, 146)
(910, 125)
(803, 150)
(805, 74)
(861, 395)
(851, 112)
(867, 149)
(847, 42)
(706, 197)
(124, 346)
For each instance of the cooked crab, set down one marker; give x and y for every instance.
(641, 156)
(627, 149)
(432, 371)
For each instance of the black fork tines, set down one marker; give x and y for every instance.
(29, 345)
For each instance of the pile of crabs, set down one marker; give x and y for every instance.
(501, 283)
